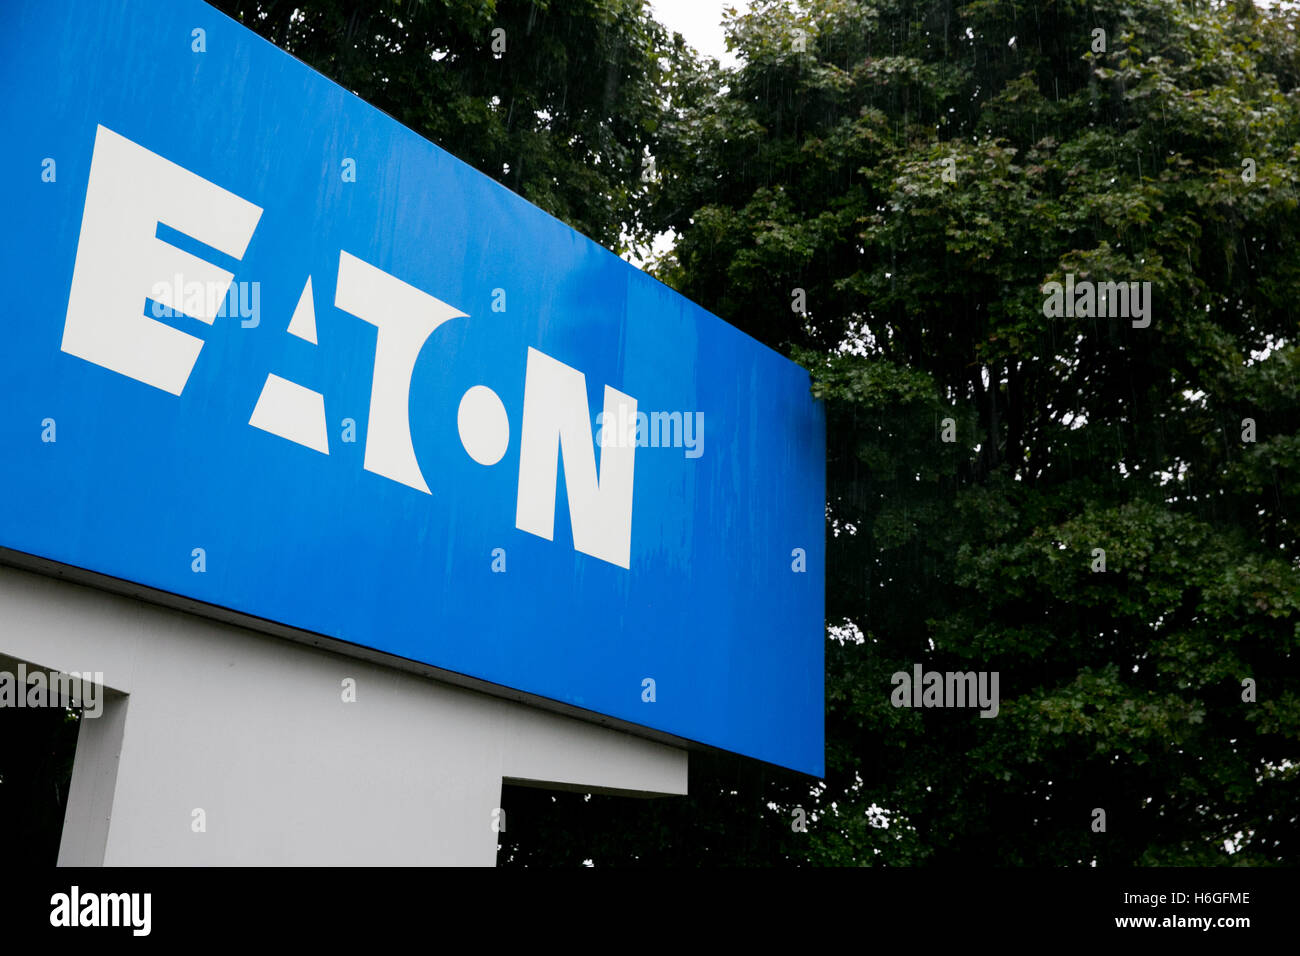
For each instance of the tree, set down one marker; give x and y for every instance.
(922, 170)
(558, 101)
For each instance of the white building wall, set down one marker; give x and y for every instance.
(252, 729)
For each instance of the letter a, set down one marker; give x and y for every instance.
(902, 695)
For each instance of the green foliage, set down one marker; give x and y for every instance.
(564, 116)
(1121, 689)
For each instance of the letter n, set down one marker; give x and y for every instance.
(557, 424)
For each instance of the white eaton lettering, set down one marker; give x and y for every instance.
(120, 262)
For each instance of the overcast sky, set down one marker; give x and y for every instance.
(700, 22)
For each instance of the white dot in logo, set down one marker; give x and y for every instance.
(484, 427)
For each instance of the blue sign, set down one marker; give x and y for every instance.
(267, 349)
